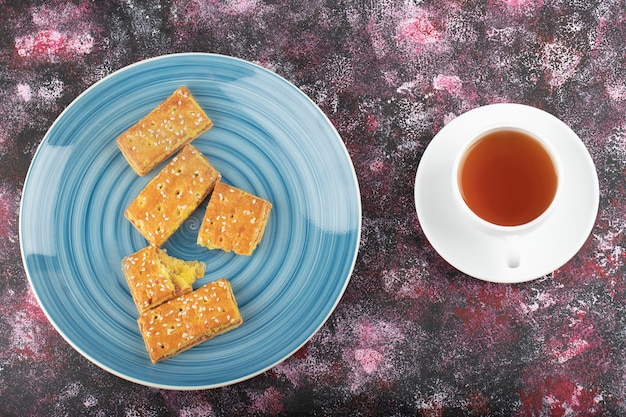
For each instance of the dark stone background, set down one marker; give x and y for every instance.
(412, 335)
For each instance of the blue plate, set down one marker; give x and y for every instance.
(269, 139)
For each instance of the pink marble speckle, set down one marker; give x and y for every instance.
(450, 83)
(418, 31)
(52, 45)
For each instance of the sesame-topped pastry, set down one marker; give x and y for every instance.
(172, 124)
(189, 320)
(234, 220)
(172, 195)
(155, 277)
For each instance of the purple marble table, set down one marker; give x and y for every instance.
(412, 335)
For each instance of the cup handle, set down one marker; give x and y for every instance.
(512, 251)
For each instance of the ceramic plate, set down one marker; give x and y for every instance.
(268, 139)
(481, 255)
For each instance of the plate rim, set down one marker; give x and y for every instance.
(149, 61)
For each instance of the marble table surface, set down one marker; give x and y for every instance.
(411, 335)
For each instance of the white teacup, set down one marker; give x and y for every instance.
(507, 182)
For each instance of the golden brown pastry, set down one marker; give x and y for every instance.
(172, 124)
(172, 195)
(154, 277)
(234, 220)
(188, 320)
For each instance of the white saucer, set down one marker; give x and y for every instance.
(478, 254)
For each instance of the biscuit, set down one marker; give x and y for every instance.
(172, 195)
(234, 220)
(172, 124)
(189, 320)
(154, 277)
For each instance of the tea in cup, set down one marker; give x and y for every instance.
(507, 183)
